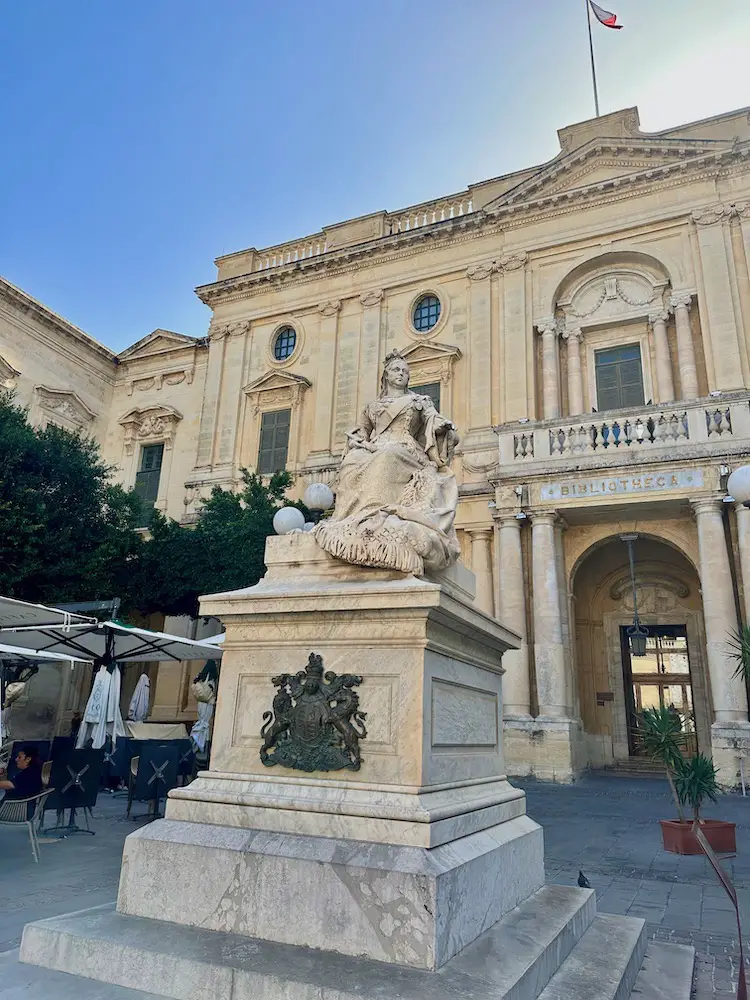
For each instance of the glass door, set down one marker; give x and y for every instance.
(660, 679)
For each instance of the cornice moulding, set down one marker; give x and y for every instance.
(25, 304)
(480, 223)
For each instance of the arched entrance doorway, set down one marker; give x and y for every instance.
(612, 686)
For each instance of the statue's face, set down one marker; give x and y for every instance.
(397, 374)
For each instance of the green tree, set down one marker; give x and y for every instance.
(67, 529)
(224, 551)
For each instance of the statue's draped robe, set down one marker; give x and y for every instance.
(396, 498)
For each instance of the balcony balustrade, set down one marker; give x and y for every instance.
(621, 436)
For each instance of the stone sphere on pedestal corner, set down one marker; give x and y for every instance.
(288, 519)
(318, 496)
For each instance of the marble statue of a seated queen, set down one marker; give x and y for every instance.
(396, 497)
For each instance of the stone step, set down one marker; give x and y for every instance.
(25, 982)
(512, 961)
(604, 964)
(666, 973)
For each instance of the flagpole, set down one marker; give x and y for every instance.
(593, 61)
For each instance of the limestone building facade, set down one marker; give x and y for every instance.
(586, 324)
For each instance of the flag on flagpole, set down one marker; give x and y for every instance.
(605, 17)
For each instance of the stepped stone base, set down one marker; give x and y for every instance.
(552, 946)
(407, 905)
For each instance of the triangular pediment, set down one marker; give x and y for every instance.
(603, 164)
(277, 380)
(426, 352)
(157, 342)
(63, 407)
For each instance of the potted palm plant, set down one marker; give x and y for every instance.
(695, 782)
(662, 738)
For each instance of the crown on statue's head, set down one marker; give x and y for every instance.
(394, 355)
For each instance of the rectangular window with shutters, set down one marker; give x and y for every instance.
(274, 441)
(147, 479)
(619, 377)
(432, 389)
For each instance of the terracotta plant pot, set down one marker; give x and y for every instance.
(678, 836)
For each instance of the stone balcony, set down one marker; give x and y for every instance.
(709, 427)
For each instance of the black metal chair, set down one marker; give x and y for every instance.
(61, 745)
(186, 763)
(75, 778)
(155, 775)
(117, 763)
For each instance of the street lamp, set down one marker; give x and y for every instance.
(637, 633)
(738, 485)
(318, 498)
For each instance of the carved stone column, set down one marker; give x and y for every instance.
(549, 652)
(326, 366)
(685, 350)
(369, 358)
(664, 380)
(512, 614)
(481, 564)
(480, 318)
(550, 374)
(210, 404)
(721, 329)
(727, 693)
(575, 377)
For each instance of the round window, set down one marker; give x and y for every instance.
(426, 313)
(284, 343)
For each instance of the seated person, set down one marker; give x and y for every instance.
(27, 782)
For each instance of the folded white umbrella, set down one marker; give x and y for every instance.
(138, 709)
(102, 717)
(200, 731)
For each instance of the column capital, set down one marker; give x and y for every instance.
(329, 308)
(707, 505)
(508, 518)
(660, 316)
(478, 272)
(544, 517)
(478, 533)
(573, 333)
(371, 298)
(681, 299)
(547, 325)
(513, 261)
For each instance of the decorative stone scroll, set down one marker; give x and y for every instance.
(316, 723)
(156, 423)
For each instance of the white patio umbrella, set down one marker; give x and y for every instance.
(138, 709)
(107, 644)
(20, 614)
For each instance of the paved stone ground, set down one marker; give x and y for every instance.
(606, 826)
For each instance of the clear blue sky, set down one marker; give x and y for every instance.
(142, 138)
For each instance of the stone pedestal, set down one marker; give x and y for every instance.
(396, 856)
(417, 875)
